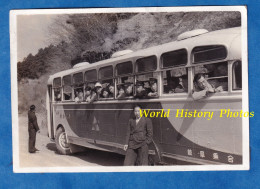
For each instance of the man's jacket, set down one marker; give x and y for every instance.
(32, 121)
(139, 134)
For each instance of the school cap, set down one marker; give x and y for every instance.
(152, 81)
(32, 107)
(120, 86)
(128, 84)
(139, 83)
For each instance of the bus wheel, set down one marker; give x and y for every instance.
(61, 142)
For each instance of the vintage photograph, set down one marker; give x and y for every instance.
(130, 89)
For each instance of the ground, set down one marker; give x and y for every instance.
(49, 157)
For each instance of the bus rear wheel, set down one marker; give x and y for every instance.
(61, 142)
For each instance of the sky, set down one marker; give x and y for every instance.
(32, 33)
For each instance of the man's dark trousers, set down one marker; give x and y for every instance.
(131, 156)
(32, 139)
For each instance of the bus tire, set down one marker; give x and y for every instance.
(61, 142)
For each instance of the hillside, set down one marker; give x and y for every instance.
(95, 37)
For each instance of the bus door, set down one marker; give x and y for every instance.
(104, 126)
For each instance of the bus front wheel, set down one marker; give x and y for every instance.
(61, 142)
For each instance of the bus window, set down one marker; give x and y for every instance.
(209, 53)
(125, 84)
(78, 87)
(90, 81)
(105, 76)
(215, 74)
(57, 89)
(91, 75)
(146, 64)
(175, 81)
(125, 87)
(67, 89)
(237, 76)
(146, 85)
(174, 58)
(124, 68)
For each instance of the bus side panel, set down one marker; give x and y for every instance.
(200, 138)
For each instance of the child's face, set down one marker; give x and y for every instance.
(111, 89)
(99, 90)
(121, 91)
(154, 87)
(139, 88)
(129, 89)
(105, 94)
(87, 93)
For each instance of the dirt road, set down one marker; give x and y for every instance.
(48, 156)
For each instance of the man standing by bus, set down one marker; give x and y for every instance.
(32, 129)
(139, 135)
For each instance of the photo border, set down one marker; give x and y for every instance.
(14, 91)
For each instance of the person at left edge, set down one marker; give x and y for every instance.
(33, 128)
(139, 136)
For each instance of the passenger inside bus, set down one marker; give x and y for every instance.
(95, 93)
(57, 94)
(129, 89)
(210, 78)
(121, 91)
(67, 96)
(125, 90)
(87, 93)
(153, 91)
(104, 93)
(176, 80)
(203, 88)
(79, 96)
(111, 90)
(141, 92)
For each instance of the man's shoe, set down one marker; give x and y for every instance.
(32, 151)
(36, 149)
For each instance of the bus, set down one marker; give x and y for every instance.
(177, 140)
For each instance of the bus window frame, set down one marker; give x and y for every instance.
(231, 77)
(213, 60)
(217, 94)
(115, 69)
(180, 65)
(107, 78)
(89, 81)
(73, 84)
(184, 94)
(136, 67)
(99, 79)
(63, 99)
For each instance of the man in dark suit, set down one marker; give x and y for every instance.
(139, 135)
(32, 129)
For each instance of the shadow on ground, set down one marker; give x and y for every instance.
(101, 158)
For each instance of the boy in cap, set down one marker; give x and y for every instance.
(141, 92)
(153, 92)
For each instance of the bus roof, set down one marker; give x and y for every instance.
(224, 37)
